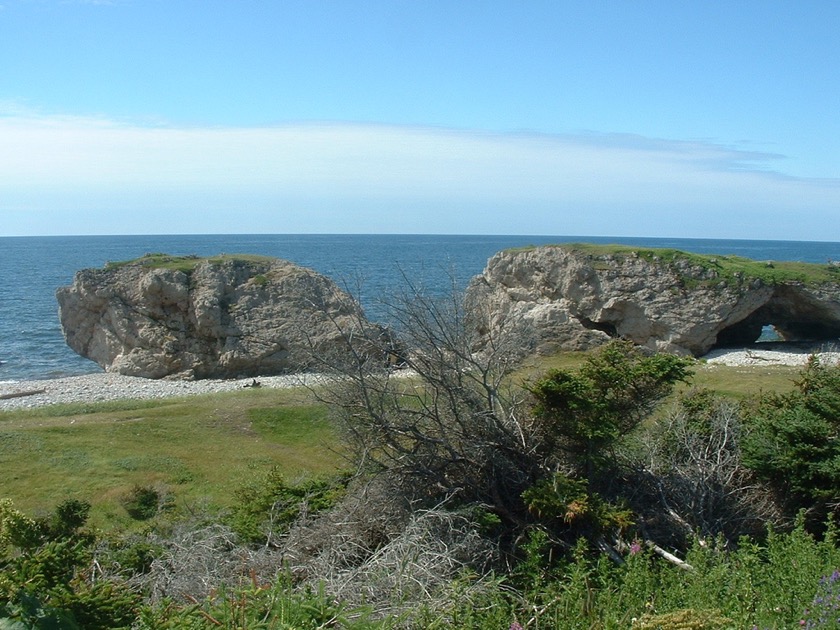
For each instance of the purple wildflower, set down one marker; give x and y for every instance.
(824, 609)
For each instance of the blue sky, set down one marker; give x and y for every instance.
(686, 119)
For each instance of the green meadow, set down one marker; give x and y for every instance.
(198, 450)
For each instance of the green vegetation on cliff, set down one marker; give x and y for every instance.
(705, 269)
(185, 263)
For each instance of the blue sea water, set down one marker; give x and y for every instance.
(32, 268)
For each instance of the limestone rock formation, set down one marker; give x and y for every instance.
(578, 296)
(229, 316)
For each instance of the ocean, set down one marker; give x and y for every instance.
(372, 266)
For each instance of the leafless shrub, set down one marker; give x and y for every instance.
(694, 478)
(416, 567)
(344, 537)
(453, 428)
(200, 559)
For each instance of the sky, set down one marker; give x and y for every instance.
(706, 119)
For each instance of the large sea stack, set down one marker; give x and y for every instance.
(229, 316)
(576, 297)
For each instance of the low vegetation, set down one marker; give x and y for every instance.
(184, 263)
(728, 269)
(194, 450)
(611, 490)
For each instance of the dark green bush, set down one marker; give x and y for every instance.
(793, 441)
(584, 413)
(569, 507)
(45, 570)
(268, 504)
(144, 502)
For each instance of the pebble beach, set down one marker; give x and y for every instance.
(774, 353)
(105, 387)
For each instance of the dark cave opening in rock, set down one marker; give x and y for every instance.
(788, 316)
(757, 330)
(604, 327)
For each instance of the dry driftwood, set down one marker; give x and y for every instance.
(30, 392)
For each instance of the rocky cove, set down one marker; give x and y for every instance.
(238, 316)
(165, 326)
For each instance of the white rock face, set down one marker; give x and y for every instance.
(566, 298)
(234, 318)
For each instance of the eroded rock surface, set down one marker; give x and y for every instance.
(225, 317)
(573, 298)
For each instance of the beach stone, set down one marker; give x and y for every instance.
(569, 298)
(221, 317)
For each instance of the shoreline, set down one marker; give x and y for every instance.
(774, 353)
(105, 386)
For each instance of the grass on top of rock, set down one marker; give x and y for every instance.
(731, 270)
(185, 263)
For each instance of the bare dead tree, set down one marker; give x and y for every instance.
(447, 424)
(453, 426)
(694, 473)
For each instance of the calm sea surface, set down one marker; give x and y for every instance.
(32, 346)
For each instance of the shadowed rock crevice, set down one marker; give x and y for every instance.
(605, 327)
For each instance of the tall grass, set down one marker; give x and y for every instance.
(772, 585)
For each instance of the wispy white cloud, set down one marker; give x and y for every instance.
(93, 2)
(368, 178)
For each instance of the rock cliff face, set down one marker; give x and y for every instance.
(226, 317)
(577, 297)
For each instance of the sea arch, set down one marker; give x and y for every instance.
(795, 315)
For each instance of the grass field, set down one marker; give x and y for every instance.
(735, 382)
(196, 450)
(199, 450)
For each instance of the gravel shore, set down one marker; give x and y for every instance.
(774, 353)
(103, 386)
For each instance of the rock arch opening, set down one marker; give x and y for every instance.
(789, 315)
(769, 334)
